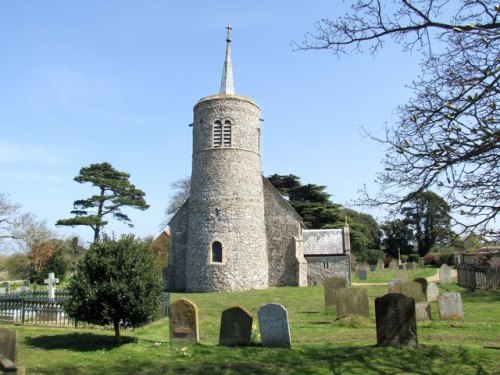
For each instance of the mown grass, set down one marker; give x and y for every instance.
(387, 274)
(320, 343)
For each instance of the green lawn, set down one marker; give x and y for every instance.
(387, 274)
(320, 343)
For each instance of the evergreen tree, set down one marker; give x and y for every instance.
(115, 192)
(117, 282)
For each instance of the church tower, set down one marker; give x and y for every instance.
(226, 242)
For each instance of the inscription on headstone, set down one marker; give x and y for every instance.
(413, 290)
(432, 292)
(274, 327)
(445, 274)
(352, 301)
(396, 320)
(235, 327)
(183, 321)
(450, 306)
(331, 285)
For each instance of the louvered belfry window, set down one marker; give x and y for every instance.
(222, 134)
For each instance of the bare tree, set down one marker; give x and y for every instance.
(181, 188)
(447, 136)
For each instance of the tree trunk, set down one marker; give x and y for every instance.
(118, 338)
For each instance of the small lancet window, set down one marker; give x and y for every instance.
(216, 252)
(227, 133)
(217, 132)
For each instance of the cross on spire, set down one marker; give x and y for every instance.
(227, 85)
(228, 37)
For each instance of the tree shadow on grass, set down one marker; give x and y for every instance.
(80, 342)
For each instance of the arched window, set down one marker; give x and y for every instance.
(217, 134)
(227, 133)
(216, 252)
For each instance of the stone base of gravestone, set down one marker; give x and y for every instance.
(414, 290)
(432, 292)
(352, 301)
(423, 311)
(235, 327)
(450, 306)
(395, 286)
(274, 326)
(330, 286)
(395, 320)
(183, 321)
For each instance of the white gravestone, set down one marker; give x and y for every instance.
(445, 274)
(51, 285)
(274, 327)
(432, 292)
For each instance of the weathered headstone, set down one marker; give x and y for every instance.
(183, 321)
(402, 266)
(393, 265)
(331, 285)
(423, 283)
(51, 285)
(352, 301)
(423, 311)
(8, 350)
(450, 306)
(445, 274)
(274, 327)
(373, 267)
(395, 286)
(432, 292)
(396, 320)
(380, 265)
(363, 275)
(412, 266)
(414, 290)
(235, 327)
(402, 275)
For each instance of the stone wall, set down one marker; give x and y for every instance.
(322, 267)
(287, 265)
(175, 275)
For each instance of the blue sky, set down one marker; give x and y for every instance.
(85, 82)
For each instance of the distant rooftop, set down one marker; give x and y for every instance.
(323, 242)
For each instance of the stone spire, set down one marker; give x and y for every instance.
(227, 85)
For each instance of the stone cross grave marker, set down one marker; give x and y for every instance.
(402, 275)
(393, 265)
(423, 311)
(51, 285)
(395, 286)
(352, 301)
(414, 290)
(450, 306)
(235, 327)
(395, 320)
(432, 292)
(445, 274)
(380, 265)
(274, 326)
(423, 283)
(183, 321)
(8, 350)
(330, 286)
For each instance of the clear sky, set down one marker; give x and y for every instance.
(93, 81)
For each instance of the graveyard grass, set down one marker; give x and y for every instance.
(320, 343)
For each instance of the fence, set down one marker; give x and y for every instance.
(472, 276)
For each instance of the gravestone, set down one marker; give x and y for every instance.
(450, 306)
(363, 275)
(402, 266)
(9, 352)
(402, 275)
(352, 301)
(423, 311)
(373, 267)
(330, 286)
(414, 290)
(412, 266)
(51, 285)
(395, 286)
(183, 321)
(432, 292)
(380, 265)
(274, 327)
(423, 283)
(3, 291)
(235, 327)
(395, 320)
(393, 265)
(5, 285)
(445, 274)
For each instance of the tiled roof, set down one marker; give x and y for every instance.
(323, 242)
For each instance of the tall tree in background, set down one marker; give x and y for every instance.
(115, 192)
(117, 282)
(398, 237)
(429, 216)
(448, 134)
(181, 189)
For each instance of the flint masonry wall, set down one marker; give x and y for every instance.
(320, 268)
(226, 203)
(176, 269)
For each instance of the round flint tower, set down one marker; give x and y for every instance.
(226, 248)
